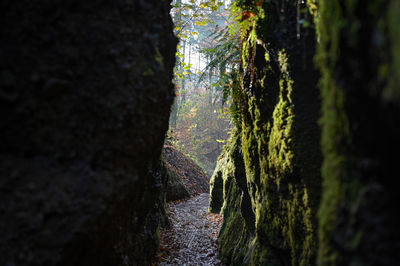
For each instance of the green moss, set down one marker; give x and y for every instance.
(278, 130)
(236, 229)
(343, 191)
(392, 90)
(237, 95)
(250, 156)
(266, 56)
(282, 209)
(335, 132)
(244, 52)
(233, 237)
(285, 212)
(312, 7)
(278, 187)
(280, 143)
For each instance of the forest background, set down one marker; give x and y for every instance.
(207, 56)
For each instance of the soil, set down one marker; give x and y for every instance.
(191, 240)
(193, 177)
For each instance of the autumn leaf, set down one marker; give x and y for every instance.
(246, 15)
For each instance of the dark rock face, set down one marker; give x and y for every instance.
(85, 93)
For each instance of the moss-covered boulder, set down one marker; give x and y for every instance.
(85, 92)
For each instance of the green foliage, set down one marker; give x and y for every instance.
(224, 55)
(223, 58)
(189, 19)
(199, 121)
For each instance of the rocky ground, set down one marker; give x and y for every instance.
(191, 240)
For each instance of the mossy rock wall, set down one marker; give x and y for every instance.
(278, 105)
(229, 195)
(359, 60)
(349, 215)
(85, 94)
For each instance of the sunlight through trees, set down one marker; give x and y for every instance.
(199, 122)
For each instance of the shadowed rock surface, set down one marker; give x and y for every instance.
(85, 93)
(359, 58)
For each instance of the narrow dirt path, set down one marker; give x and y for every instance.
(192, 237)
